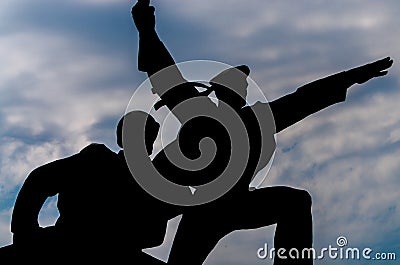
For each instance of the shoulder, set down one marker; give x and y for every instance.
(263, 113)
(259, 106)
(96, 149)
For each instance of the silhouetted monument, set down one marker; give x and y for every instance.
(106, 215)
(203, 226)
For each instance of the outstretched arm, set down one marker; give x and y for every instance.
(322, 93)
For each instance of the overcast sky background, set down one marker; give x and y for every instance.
(69, 68)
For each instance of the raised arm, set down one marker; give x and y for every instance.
(153, 57)
(322, 93)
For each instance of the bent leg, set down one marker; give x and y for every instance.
(290, 209)
(198, 233)
(7, 254)
(201, 228)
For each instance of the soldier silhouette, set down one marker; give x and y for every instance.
(104, 214)
(289, 208)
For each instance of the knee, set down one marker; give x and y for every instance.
(299, 205)
(298, 200)
(304, 198)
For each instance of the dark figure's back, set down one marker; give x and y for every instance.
(103, 211)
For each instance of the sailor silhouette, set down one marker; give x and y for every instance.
(202, 226)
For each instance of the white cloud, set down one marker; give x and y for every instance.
(99, 2)
(5, 234)
(53, 92)
(56, 97)
(22, 158)
(243, 19)
(288, 44)
(347, 158)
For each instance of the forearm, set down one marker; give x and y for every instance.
(310, 99)
(27, 206)
(152, 58)
(41, 183)
(153, 55)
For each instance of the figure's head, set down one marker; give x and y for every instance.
(231, 84)
(151, 132)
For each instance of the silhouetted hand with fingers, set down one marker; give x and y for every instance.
(143, 16)
(366, 72)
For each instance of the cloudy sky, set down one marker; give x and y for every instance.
(69, 68)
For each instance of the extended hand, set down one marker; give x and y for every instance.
(366, 72)
(143, 15)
